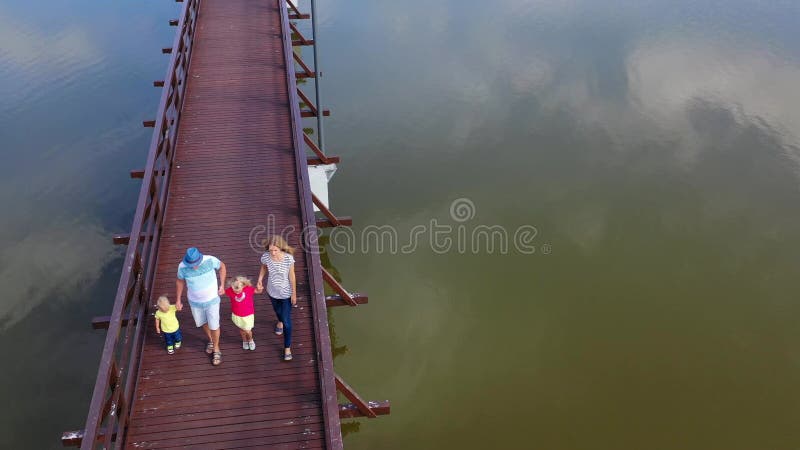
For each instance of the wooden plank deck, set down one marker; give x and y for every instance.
(235, 164)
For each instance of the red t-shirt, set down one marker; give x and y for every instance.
(242, 304)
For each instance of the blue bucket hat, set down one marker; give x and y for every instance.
(193, 256)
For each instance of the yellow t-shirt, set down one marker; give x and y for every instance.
(169, 322)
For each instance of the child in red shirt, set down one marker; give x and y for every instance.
(241, 291)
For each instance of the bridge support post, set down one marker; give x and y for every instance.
(318, 79)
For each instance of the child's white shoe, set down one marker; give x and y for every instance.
(245, 345)
(252, 345)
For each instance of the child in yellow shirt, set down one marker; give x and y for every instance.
(167, 322)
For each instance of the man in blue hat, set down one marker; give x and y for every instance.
(197, 272)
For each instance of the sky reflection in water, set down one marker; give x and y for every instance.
(654, 144)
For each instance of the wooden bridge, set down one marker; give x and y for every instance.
(228, 156)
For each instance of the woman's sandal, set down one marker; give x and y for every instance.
(287, 356)
(209, 348)
(278, 330)
(217, 359)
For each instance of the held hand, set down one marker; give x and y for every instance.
(221, 291)
(178, 305)
(259, 287)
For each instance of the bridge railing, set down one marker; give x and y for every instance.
(115, 385)
(327, 385)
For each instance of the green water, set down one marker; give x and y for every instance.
(654, 146)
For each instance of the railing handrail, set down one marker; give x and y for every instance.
(326, 375)
(111, 401)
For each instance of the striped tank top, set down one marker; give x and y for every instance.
(278, 285)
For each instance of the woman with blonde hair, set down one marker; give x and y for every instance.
(278, 264)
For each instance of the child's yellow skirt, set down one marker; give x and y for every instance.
(245, 323)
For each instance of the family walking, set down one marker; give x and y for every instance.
(197, 274)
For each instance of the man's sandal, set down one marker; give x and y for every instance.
(209, 348)
(217, 359)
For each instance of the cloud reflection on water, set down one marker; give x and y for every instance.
(756, 87)
(57, 169)
(662, 72)
(30, 56)
(25, 47)
(601, 94)
(57, 262)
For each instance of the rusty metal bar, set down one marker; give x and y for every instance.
(328, 160)
(139, 174)
(294, 8)
(306, 73)
(307, 102)
(325, 211)
(317, 151)
(325, 113)
(344, 221)
(349, 410)
(75, 438)
(101, 322)
(346, 296)
(337, 300)
(125, 239)
(351, 395)
(302, 38)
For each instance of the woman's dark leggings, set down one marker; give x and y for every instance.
(283, 310)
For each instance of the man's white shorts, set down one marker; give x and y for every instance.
(206, 313)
